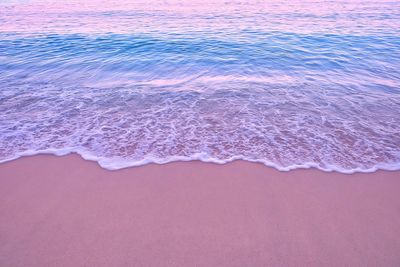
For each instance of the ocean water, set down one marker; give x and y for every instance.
(290, 84)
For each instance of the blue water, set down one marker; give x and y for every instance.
(311, 84)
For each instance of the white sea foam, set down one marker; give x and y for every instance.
(116, 164)
(279, 127)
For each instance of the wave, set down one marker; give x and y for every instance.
(131, 86)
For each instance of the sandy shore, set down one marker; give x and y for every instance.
(64, 211)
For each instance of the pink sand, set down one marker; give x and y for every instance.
(64, 211)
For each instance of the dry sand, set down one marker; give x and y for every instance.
(64, 211)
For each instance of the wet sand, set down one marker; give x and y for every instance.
(65, 211)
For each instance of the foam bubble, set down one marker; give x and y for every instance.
(282, 127)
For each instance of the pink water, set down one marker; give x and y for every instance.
(287, 83)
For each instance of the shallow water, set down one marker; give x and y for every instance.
(289, 84)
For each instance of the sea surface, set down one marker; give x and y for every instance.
(291, 84)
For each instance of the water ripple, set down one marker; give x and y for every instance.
(287, 84)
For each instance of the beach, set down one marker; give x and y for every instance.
(65, 211)
(199, 133)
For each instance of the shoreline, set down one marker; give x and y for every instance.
(66, 211)
(108, 164)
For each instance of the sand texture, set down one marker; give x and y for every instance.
(65, 211)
